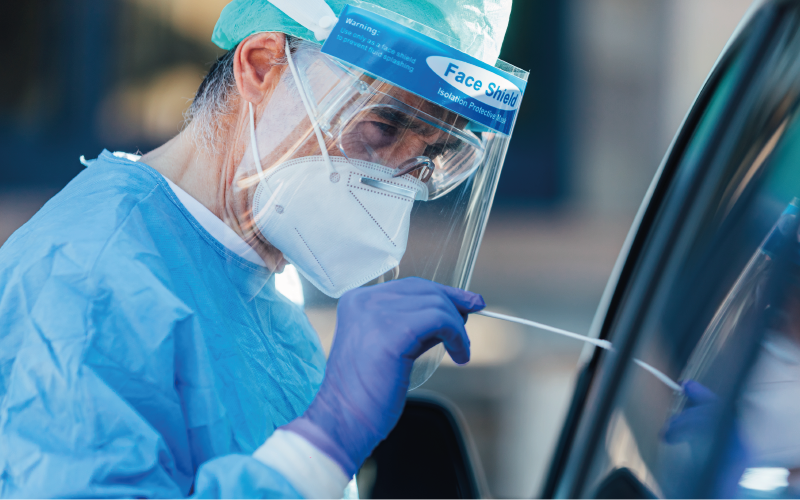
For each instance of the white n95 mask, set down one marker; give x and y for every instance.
(340, 228)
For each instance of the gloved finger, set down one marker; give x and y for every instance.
(445, 327)
(458, 354)
(687, 425)
(697, 393)
(464, 301)
(456, 342)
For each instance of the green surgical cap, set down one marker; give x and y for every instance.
(476, 27)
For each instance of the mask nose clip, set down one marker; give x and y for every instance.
(420, 162)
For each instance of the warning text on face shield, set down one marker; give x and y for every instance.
(427, 67)
(376, 49)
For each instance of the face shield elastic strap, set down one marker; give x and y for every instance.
(307, 105)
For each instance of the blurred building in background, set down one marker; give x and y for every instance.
(610, 83)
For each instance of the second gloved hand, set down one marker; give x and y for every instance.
(380, 331)
(696, 425)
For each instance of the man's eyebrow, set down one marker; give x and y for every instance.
(408, 123)
(403, 120)
(393, 115)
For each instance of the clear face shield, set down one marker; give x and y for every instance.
(356, 181)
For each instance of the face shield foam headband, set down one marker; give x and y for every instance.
(342, 222)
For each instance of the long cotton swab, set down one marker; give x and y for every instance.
(603, 344)
(660, 376)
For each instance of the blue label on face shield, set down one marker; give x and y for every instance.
(426, 67)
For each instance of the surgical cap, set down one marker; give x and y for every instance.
(476, 27)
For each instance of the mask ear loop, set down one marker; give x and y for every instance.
(253, 145)
(309, 112)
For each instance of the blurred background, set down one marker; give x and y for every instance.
(610, 82)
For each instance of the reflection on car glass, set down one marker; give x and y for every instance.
(710, 295)
(744, 295)
(769, 406)
(763, 449)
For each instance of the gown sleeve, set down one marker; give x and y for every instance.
(105, 388)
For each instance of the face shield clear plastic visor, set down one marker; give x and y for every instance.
(357, 181)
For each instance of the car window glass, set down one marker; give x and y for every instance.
(724, 314)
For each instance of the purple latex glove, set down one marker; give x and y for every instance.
(380, 331)
(696, 423)
(700, 415)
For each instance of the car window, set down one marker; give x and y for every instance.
(719, 309)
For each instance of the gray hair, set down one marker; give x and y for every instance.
(213, 99)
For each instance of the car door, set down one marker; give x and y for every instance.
(709, 292)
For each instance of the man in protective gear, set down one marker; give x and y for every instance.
(145, 350)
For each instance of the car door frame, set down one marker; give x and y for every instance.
(643, 259)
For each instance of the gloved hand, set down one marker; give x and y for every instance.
(696, 424)
(380, 331)
(700, 415)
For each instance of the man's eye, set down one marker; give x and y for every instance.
(434, 150)
(441, 149)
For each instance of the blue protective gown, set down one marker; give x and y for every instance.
(139, 357)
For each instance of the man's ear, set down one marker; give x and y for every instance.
(256, 65)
